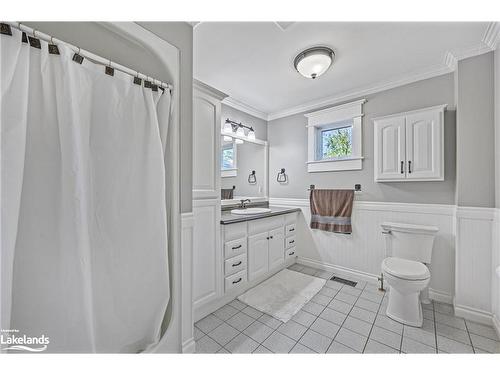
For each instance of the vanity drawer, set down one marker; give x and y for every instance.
(290, 253)
(290, 229)
(236, 247)
(235, 280)
(234, 231)
(236, 264)
(289, 242)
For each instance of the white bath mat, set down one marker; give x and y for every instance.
(284, 294)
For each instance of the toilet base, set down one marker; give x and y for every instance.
(405, 308)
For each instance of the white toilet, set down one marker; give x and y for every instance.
(409, 249)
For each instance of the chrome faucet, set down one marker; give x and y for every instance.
(243, 203)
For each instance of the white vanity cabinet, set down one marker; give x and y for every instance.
(410, 146)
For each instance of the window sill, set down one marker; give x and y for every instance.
(334, 165)
(229, 172)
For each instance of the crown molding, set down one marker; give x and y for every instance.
(207, 89)
(240, 106)
(434, 71)
(492, 35)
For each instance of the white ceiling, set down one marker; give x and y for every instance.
(252, 61)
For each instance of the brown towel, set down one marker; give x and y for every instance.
(331, 210)
(226, 193)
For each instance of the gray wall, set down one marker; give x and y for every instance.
(288, 149)
(475, 132)
(250, 156)
(180, 34)
(97, 39)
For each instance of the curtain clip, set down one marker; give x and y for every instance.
(34, 41)
(53, 49)
(109, 70)
(77, 57)
(5, 29)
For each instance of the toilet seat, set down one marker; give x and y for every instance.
(405, 269)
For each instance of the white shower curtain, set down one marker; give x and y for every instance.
(84, 221)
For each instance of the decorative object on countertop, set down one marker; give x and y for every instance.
(227, 193)
(252, 178)
(331, 210)
(282, 176)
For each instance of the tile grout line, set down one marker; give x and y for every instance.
(470, 339)
(373, 324)
(317, 316)
(347, 315)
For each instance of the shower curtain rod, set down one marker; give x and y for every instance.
(87, 54)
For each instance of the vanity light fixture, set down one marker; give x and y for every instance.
(314, 61)
(235, 128)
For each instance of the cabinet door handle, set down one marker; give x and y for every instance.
(409, 166)
(237, 264)
(293, 241)
(293, 252)
(267, 238)
(237, 281)
(402, 167)
(236, 247)
(291, 229)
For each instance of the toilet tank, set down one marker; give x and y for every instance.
(409, 241)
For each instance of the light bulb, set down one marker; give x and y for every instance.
(227, 128)
(240, 132)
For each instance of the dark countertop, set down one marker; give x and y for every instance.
(228, 218)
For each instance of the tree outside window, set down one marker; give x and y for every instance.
(336, 143)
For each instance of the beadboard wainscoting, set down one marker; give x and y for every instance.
(188, 343)
(474, 263)
(360, 254)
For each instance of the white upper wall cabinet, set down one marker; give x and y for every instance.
(206, 141)
(410, 146)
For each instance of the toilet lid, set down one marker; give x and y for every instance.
(405, 269)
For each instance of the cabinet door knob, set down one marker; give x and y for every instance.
(267, 238)
(236, 247)
(237, 281)
(237, 264)
(271, 237)
(402, 167)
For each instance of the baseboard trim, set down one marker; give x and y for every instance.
(189, 346)
(440, 296)
(341, 271)
(496, 324)
(474, 315)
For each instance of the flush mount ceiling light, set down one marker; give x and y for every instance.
(314, 61)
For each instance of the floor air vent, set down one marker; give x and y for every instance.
(344, 281)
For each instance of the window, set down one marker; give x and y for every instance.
(228, 159)
(335, 138)
(335, 142)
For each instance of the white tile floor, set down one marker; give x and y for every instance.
(340, 319)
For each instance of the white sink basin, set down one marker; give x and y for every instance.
(250, 211)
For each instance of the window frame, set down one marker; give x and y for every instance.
(229, 172)
(334, 118)
(319, 140)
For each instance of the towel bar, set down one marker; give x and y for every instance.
(357, 188)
